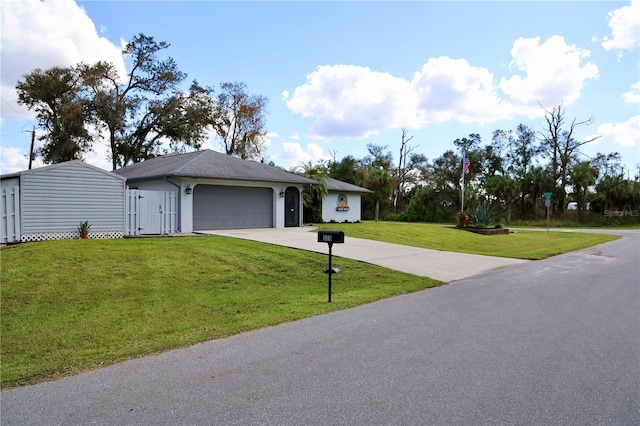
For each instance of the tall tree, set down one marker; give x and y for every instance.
(347, 170)
(130, 110)
(521, 153)
(538, 181)
(493, 161)
(505, 189)
(581, 176)
(241, 121)
(560, 146)
(378, 158)
(443, 175)
(139, 112)
(379, 181)
(472, 143)
(181, 119)
(408, 161)
(55, 95)
(608, 164)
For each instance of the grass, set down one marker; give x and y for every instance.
(69, 306)
(533, 245)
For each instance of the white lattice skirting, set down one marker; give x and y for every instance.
(45, 236)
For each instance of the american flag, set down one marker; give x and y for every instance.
(466, 165)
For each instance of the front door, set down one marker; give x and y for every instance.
(292, 207)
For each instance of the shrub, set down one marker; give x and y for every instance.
(463, 220)
(484, 214)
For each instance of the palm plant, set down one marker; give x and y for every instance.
(379, 181)
(313, 195)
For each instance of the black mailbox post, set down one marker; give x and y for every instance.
(330, 237)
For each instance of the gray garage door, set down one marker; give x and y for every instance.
(232, 207)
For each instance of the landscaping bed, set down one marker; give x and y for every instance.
(487, 231)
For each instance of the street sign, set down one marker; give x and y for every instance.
(548, 195)
(547, 202)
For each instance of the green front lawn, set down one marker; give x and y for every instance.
(68, 306)
(520, 244)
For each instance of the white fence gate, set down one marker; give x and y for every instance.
(10, 211)
(150, 212)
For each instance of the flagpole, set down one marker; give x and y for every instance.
(462, 178)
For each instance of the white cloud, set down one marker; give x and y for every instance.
(294, 155)
(451, 89)
(625, 134)
(13, 160)
(354, 102)
(633, 96)
(553, 73)
(625, 27)
(42, 34)
(100, 154)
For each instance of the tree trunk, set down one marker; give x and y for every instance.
(377, 213)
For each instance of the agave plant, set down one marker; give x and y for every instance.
(484, 214)
(83, 229)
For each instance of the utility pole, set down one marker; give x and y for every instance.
(33, 138)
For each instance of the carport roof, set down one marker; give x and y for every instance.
(208, 164)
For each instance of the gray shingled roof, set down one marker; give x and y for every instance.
(338, 185)
(208, 164)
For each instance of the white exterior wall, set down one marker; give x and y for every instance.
(186, 201)
(330, 203)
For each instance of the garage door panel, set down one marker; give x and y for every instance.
(229, 207)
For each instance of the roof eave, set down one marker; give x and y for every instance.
(191, 176)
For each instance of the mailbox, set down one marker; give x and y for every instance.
(331, 237)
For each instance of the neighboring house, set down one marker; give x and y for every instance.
(218, 191)
(50, 202)
(343, 202)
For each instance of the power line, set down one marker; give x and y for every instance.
(14, 110)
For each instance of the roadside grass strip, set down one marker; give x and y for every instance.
(531, 245)
(69, 306)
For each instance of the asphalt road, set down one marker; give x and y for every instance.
(552, 342)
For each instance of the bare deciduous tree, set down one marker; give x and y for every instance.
(560, 146)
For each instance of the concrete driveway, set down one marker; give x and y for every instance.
(439, 265)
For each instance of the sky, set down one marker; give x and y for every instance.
(342, 75)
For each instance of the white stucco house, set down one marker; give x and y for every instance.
(218, 191)
(343, 202)
(201, 190)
